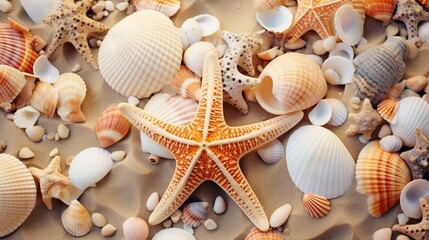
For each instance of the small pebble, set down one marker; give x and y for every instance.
(329, 43)
(219, 205)
(152, 201)
(133, 100)
(37, 43)
(10, 116)
(105, 13)
(42, 52)
(385, 130)
(99, 219)
(130, 9)
(403, 219)
(76, 68)
(363, 139)
(392, 31)
(122, 6)
(355, 106)
(384, 233)
(3, 145)
(167, 223)
(63, 131)
(176, 216)
(54, 152)
(402, 237)
(300, 43)
(210, 224)
(51, 136)
(69, 160)
(57, 137)
(108, 230)
(99, 7)
(99, 15)
(109, 6)
(25, 153)
(355, 100)
(118, 155)
(260, 68)
(5, 6)
(318, 47)
(416, 83)
(189, 229)
(93, 42)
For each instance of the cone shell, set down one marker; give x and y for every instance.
(387, 110)
(37, 10)
(44, 98)
(315, 205)
(17, 193)
(71, 92)
(167, 7)
(271, 152)
(76, 219)
(289, 83)
(111, 126)
(318, 162)
(280, 215)
(135, 228)
(187, 84)
(194, 214)
(267, 4)
(380, 9)
(12, 82)
(380, 176)
(256, 234)
(26, 117)
(173, 233)
(391, 143)
(142, 61)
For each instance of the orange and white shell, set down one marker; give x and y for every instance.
(194, 214)
(359, 7)
(315, 205)
(187, 84)
(37, 10)
(267, 4)
(76, 219)
(111, 126)
(135, 228)
(12, 82)
(424, 2)
(17, 193)
(44, 98)
(387, 110)
(71, 93)
(167, 7)
(142, 61)
(380, 9)
(256, 234)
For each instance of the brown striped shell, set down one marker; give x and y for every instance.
(12, 82)
(256, 234)
(315, 205)
(111, 126)
(380, 9)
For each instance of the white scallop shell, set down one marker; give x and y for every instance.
(318, 162)
(71, 93)
(278, 19)
(45, 71)
(219, 205)
(343, 50)
(76, 219)
(391, 143)
(193, 30)
(339, 112)
(209, 24)
(173, 233)
(271, 152)
(135, 228)
(344, 68)
(26, 117)
(195, 54)
(280, 215)
(39, 9)
(321, 113)
(90, 166)
(17, 193)
(142, 61)
(348, 25)
(410, 195)
(383, 234)
(35, 133)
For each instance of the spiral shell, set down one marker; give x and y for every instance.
(380, 9)
(187, 84)
(167, 7)
(76, 219)
(71, 92)
(194, 214)
(256, 234)
(111, 126)
(44, 98)
(12, 82)
(135, 228)
(315, 205)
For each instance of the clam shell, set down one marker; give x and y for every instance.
(45, 70)
(35, 133)
(391, 143)
(318, 162)
(194, 214)
(71, 92)
(383, 234)
(267, 4)
(348, 25)
(111, 126)
(289, 83)
(278, 19)
(26, 117)
(37, 10)
(12, 82)
(219, 205)
(135, 228)
(380, 9)
(140, 62)
(380, 176)
(187, 84)
(173, 233)
(209, 24)
(387, 110)
(17, 193)
(195, 54)
(167, 7)
(344, 68)
(280, 215)
(410, 196)
(315, 205)
(76, 219)
(256, 234)
(271, 152)
(343, 50)
(44, 98)
(339, 112)
(321, 113)
(89, 166)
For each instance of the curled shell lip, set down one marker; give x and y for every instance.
(348, 25)
(209, 24)
(321, 113)
(278, 19)
(45, 71)
(344, 68)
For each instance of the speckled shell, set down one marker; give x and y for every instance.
(187, 84)
(271, 152)
(380, 9)
(39, 9)
(387, 110)
(173, 233)
(167, 7)
(71, 93)
(44, 98)
(380, 176)
(256, 234)
(142, 61)
(111, 126)
(12, 82)
(289, 83)
(76, 219)
(315, 205)
(267, 4)
(194, 214)
(17, 193)
(135, 228)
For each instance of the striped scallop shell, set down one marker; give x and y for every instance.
(289, 83)
(315, 205)
(15, 47)
(26, 117)
(383, 234)
(17, 193)
(35, 133)
(380, 9)
(71, 92)
(271, 152)
(37, 10)
(267, 4)
(380, 176)
(167, 7)
(173, 233)
(256, 234)
(396, 90)
(423, 2)
(194, 214)
(187, 84)
(44, 98)
(111, 126)
(387, 110)
(12, 82)
(142, 61)
(135, 228)
(76, 219)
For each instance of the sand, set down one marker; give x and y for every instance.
(123, 193)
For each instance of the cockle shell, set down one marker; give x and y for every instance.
(37, 10)
(315, 205)
(289, 83)
(380, 9)
(111, 126)
(410, 195)
(339, 112)
(12, 82)
(194, 214)
(17, 193)
(71, 93)
(140, 62)
(277, 20)
(89, 166)
(256, 234)
(267, 4)
(195, 54)
(167, 7)
(383, 234)
(26, 117)
(348, 25)
(343, 67)
(380, 176)
(44, 98)
(135, 228)
(391, 143)
(35, 133)
(76, 219)
(387, 110)
(173, 233)
(271, 152)
(318, 162)
(280, 215)
(187, 84)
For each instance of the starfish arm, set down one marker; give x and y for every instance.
(419, 230)
(53, 46)
(81, 45)
(235, 98)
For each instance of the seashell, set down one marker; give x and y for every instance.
(167, 7)
(267, 4)
(44, 98)
(380, 176)
(89, 166)
(402, 219)
(342, 67)
(108, 230)
(384, 131)
(410, 196)
(45, 71)
(71, 92)
(329, 43)
(135, 228)
(187, 84)
(152, 201)
(184, 39)
(380, 9)
(210, 224)
(99, 219)
(348, 25)
(118, 156)
(63, 131)
(111, 126)
(316, 206)
(37, 10)
(280, 215)
(396, 90)
(195, 54)
(408, 93)
(26, 92)
(176, 216)
(3, 145)
(209, 24)
(426, 97)
(269, 54)
(219, 205)
(12, 82)
(26, 117)
(256, 234)
(76, 219)
(423, 31)
(321, 113)
(402, 237)
(300, 43)
(289, 83)
(343, 50)
(275, 20)
(318, 48)
(416, 83)
(35, 133)
(383, 234)
(271, 152)
(318, 162)
(17, 193)
(413, 113)
(317, 59)
(387, 110)
(193, 30)
(339, 112)
(359, 6)
(391, 143)
(25, 153)
(173, 233)
(194, 214)
(140, 62)
(16, 47)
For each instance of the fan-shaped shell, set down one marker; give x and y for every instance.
(271, 152)
(194, 214)
(315, 205)
(90, 166)
(348, 25)
(76, 219)
(111, 126)
(12, 82)
(267, 4)
(26, 117)
(71, 92)
(391, 143)
(256, 234)
(289, 83)
(39, 9)
(318, 162)
(173, 233)
(187, 84)
(135, 228)
(35, 133)
(387, 110)
(383, 234)
(380, 9)
(280, 215)
(17, 193)
(140, 62)
(195, 54)
(343, 67)
(44, 98)
(167, 7)
(396, 90)
(339, 112)
(380, 176)
(410, 196)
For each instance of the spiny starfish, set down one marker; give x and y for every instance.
(411, 13)
(72, 25)
(417, 158)
(209, 149)
(420, 230)
(365, 121)
(314, 15)
(241, 49)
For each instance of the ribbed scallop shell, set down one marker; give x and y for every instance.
(383, 234)
(256, 234)
(167, 7)
(387, 110)
(280, 215)
(17, 193)
(318, 162)
(44, 98)
(380, 9)
(290, 83)
(142, 61)
(173, 233)
(339, 112)
(111, 126)
(39, 9)
(396, 90)
(391, 143)
(315, 205)
(267, 4)
(71, 93)
(271, 152)
(135, 228)
(26, 117)
(194, 214)
(187, 84)
(380, 176)
(12, 82)
(76, 219)
(35, 133)
(90, 166)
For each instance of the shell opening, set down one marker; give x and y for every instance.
(265, 97)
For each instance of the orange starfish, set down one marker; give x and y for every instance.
(314, 15)
(209, 149)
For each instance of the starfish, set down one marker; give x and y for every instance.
(314, 15)
(417, 158)
(420, 230)
(72, 25)
(209, 149)
(241, 49)
(365, 121)
(51, 180)
(411, 13)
